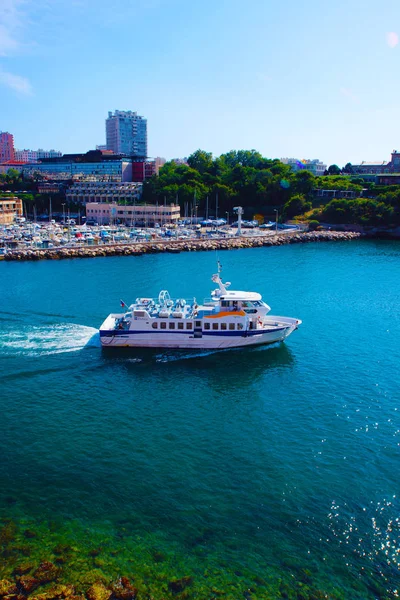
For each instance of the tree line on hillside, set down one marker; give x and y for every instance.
(243, 178)
(260, 185)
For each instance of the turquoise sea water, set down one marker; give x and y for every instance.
(259, 473)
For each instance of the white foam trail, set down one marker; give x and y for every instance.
(53, 339)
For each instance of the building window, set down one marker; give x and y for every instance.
(223, 326)
(207, 326)
(154, 325)
(180, 325)
(172, 325)
(189, 325)
(215, 325)
(163, 325)
(231, 326)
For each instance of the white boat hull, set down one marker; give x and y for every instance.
(185, 341)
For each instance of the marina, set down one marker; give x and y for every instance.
(14, 250)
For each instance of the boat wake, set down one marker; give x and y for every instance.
(47, 340)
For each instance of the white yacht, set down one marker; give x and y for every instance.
(228, 319)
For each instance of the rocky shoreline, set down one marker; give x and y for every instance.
(176, 246)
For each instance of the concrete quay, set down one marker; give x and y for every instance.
(173, 246)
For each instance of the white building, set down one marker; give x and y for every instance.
(104, 213)
(126, 133)
(32, 156)
(315, 166)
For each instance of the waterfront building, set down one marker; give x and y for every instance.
(51, 188)
(149, 215)
(103, 192)
(95, 165)
(10, 209)
(315, 166)
(126, 133)
(7, 151)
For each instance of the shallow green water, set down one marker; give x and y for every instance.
(260, 473)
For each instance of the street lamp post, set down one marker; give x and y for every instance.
(227, 217)
(63, 205)
(276, 218)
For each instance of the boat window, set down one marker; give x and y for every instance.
(207, 326)
(198, 324)
(189, 325)
(154, 325)
(180, 325)
(239, 326)
(224, 303)
(172, 325)
(231, 326)
(223, 326)
(163, 325)
(215, 325)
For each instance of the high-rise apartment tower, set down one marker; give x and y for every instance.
(6, 146)
(126, 133)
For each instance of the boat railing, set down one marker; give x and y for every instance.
(209, 302)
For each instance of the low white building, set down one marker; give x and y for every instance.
(315, 166)
(146, 215)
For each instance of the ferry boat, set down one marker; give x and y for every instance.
(228, 319)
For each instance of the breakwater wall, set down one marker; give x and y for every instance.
(176, 246)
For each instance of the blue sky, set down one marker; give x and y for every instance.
(300, 79)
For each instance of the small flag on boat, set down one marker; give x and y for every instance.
(123, 304)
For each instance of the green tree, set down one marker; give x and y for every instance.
(201, 161)
(303, 182)
(297, 205)
(334, 170)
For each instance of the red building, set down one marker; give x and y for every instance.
(142, 170)
(6, 146)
